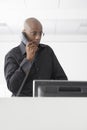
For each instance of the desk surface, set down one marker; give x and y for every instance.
(43, 113)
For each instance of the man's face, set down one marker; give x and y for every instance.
(34, 33)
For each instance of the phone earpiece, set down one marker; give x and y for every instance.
(24, 38)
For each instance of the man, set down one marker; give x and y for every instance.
(31, 60)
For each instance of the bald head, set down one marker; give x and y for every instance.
(32, 23)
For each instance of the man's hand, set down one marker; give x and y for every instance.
(31, 49)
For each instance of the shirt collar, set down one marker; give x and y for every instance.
(22, 47)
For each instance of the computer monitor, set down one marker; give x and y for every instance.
(59, 88)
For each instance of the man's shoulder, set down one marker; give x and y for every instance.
(14, 51)
(48, 48)
(45, 46)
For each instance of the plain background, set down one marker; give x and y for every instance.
(65, 27)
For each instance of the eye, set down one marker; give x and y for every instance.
(37, 33)
(34, 33)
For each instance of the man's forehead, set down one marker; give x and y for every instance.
(35, 27)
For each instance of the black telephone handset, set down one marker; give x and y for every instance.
(25, 40)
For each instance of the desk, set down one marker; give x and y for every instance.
(43, 113)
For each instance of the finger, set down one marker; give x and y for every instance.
(33, 50)
(33, 47)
